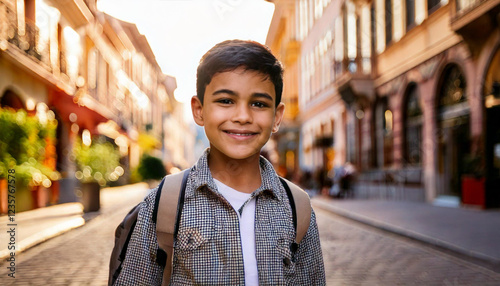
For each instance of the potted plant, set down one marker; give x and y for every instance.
(38, 178)
(97, 165)
(473, 180)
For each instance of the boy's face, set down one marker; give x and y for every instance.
(238, 113)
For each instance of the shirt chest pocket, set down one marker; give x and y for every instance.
(193, 247)
(192, 238)
(196, 227)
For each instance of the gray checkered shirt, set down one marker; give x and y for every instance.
(208, 247)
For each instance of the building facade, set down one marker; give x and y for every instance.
(93, 73)
(314, 111)
(419, 84)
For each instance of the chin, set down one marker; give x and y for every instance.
(241, 155)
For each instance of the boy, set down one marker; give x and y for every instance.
(236, 224)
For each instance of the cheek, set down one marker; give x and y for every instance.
(267, 120)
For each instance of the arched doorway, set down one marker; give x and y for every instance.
(12, 100)
(453, 131)
(492, 154)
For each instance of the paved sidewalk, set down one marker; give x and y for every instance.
(36, 226)
(470, 232)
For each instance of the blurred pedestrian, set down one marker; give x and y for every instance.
(347, 180)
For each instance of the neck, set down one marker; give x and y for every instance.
(240, 174)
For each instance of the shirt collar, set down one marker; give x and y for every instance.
(201, 176)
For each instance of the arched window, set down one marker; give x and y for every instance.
(453, 88)
(413, 127)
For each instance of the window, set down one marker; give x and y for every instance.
(388, 21)
(432, 5)
(410, 14)
(92, 64)
(453, 88)
(413, 127)
(383, 134)
(373, 27)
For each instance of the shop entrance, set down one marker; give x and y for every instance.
(453, 133)
(493, 157)
(454, 144)
(492, 154)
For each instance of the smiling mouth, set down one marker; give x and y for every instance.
(235, 133)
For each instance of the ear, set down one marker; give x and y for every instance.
(278, 116)
(197, 109)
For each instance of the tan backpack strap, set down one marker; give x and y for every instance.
(303, 209)
(167, 217)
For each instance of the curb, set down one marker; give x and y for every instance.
(73, 218)
(404, 232)
(65, 217)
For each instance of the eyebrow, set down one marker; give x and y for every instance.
(232, 93)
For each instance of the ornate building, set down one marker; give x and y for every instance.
(419, 83)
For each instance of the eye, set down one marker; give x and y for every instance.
(260, 104)
(224, 101)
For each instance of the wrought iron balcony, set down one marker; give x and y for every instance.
(354, 80)
(25, 38)
(474, 20)
(471, 14)
(21, 43)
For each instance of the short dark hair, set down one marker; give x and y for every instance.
(233, 54)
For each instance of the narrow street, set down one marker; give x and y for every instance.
(81, 256)
(354, 254)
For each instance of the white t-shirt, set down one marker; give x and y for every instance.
(247, 229)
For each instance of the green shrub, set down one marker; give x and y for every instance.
(151, 168)
(99, 162)
(23, 140)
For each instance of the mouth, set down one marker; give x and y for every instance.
(240, 133)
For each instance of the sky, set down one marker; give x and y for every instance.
(181, 31)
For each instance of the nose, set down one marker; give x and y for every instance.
(242, 114)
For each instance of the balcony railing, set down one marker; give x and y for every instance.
(463, 6)
(7, 17)
(465, 14)
(24, 38)
(353, 78)
(359, 66)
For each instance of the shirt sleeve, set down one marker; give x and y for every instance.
(310, 266)
(139, 266)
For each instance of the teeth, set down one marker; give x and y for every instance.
(240, 134)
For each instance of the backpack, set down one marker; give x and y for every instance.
(170, 196)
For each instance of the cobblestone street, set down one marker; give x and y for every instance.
(79, 257)
(354, 255)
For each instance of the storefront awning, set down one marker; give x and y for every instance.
(65, 105)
